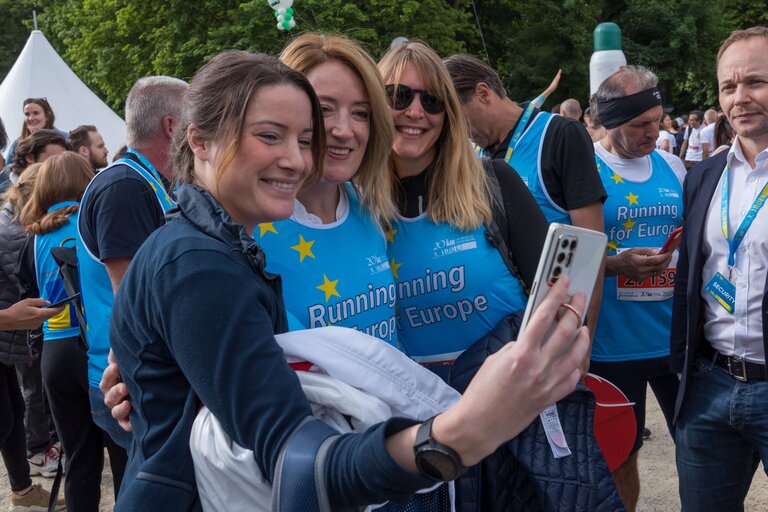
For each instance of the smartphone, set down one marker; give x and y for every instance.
(63, 301)
(673, 242)
(568, 251)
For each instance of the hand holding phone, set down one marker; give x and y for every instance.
(673, 242)
(63, 301)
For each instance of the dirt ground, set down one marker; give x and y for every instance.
(657, 473)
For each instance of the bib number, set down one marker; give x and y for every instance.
(654, 288)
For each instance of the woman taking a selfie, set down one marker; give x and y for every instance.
(195, 316)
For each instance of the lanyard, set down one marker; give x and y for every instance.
(147, 165)
(521, 125)
(745, 224)
(479, 151)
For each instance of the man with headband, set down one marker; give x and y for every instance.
(644, 206)
(720, 329)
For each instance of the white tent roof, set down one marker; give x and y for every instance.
(39, 72)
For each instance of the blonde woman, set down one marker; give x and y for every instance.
(453, 285)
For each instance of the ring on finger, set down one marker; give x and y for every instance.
(575, 312)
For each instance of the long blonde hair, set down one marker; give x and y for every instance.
(60, 178)
(374, 179)
(458, 192)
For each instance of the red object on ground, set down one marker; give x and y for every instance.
(615, 424)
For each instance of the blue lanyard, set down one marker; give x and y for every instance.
(745, 224)
(148, 166)
(521, 125)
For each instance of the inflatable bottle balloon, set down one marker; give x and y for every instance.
(284, 13)
(607, 57)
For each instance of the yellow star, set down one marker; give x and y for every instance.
(329, 287)
(394, 266)
(266, 226)
(629, 224)
(632, 198)
(612, 245)
(618, 179)
(391, 235)
(599, 168)
(304, 249)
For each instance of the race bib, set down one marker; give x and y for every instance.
(654, 288)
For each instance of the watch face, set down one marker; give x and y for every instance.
(437, 465)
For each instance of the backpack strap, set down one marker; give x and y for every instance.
(497, 227)
(299, 482)
(66, 258)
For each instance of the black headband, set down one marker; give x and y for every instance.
(614, 113)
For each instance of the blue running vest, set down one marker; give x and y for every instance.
(452, 288)
(526, 160)
(96, 288)
(333, 274)
(49, 281)
(635, 317)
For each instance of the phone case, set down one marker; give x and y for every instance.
(581, 262)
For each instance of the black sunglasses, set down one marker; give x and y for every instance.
(401, 96)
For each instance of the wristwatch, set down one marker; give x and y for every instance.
(435, 461)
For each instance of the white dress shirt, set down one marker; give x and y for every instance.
(740, 333)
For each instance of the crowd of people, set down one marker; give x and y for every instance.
(397, 211)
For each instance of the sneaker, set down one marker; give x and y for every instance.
(35, 500)
(646, 433)
(44, 463)
(54, 452)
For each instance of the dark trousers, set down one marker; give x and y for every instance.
(40, 433)
(65, 376)
(12, 445)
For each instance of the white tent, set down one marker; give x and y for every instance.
(39, 72)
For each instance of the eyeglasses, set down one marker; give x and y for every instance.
(401, 96)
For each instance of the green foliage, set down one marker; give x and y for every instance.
(111, 43)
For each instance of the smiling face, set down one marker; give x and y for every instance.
(742, 76)
(416, 132)
(347, 118)
(34, 117)
(273, 160)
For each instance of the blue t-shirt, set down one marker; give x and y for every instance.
(452, 287)
(635, 317)
(333, 274)
(49, 281)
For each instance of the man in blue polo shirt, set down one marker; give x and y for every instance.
(121, 207)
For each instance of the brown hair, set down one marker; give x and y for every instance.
(80, 137)
(217, 101)
(374, 181)
(19, 194)
(467, 71)
(458, 190)
(50, 118)
(61, 178)
(34, 145)
(740, 35)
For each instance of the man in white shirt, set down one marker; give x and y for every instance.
(719, 329)
(691, 148)
(707, 135)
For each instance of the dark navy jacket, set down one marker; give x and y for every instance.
(194, 321)
(687, 307)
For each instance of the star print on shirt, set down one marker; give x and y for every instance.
(629, 224)
(304, 249)
(329, 287)
(394, 267)
(632, 198)
(266, 227)
(618, 179)
(391, 235)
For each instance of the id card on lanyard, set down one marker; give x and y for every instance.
(719, 287)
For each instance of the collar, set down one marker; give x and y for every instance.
(198, 207)
(505, 141)
(736, 154)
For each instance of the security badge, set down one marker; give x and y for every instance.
(723, 291)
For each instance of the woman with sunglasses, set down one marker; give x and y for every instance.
(331, 251)
(195, 316)
(38, 115)
(453, 284)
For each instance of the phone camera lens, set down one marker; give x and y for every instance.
(556, 272)
(574, 243)
(564, 245)
(560, 257)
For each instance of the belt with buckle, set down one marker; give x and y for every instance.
(738, 367)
